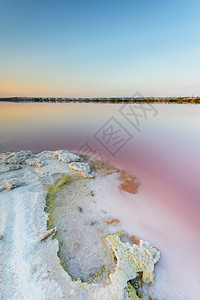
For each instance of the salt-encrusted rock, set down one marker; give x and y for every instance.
(15, 157)
(12, 184)
(53, 166)
(82, 168)
(34, 162)
(46, 155)
(5, 168)
(66, 156)
(132, 259)
(14, 168)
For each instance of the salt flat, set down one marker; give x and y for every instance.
(56, 240)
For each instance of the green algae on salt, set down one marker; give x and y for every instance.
(52, 190)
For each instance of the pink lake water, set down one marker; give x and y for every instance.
(159, 144)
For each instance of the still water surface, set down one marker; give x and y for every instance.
(159, 144)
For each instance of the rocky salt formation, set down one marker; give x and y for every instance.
(66, 156)
(82, 168)
(56, 242)
(15, 157)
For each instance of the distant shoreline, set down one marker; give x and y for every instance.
(177, 100)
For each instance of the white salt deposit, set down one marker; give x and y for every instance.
(35, 269)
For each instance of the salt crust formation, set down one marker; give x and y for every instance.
(33, 198)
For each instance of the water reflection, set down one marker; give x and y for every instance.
(164, 155)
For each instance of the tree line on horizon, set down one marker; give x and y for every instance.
(178, 100)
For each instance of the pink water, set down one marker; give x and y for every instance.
(165, 157)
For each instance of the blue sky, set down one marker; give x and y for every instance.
(99, 48)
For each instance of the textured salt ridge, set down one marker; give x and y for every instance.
(29, 268)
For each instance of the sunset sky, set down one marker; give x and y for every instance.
(99, 48)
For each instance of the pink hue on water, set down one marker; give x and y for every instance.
(165, 157)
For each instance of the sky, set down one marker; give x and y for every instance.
(101, 48)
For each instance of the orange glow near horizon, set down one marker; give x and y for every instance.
(51, 88)
(26, 89)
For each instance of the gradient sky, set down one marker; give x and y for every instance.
(99, 48)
